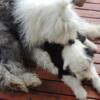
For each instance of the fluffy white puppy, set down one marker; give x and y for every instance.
(78, 58)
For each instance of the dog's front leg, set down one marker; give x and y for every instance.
(43, 60)
(95, 78)
(76, 86)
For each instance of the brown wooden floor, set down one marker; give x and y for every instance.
(52, 88)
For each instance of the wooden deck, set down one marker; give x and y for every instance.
(52, 88)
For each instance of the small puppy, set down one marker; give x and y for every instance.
(54, 50)
(74, 63)
(78, 58)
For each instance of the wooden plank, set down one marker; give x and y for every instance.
(98, 45)
(98, 67)
(97, 41)
(97, 58)
(32, 96)
(92, 20)
(13, 96)
(94, 1)
(90, 6)
(87, 13)
(44, 74)
(35, 96)
(59, 88)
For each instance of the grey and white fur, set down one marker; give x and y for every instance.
(13, 74)
(25, 26)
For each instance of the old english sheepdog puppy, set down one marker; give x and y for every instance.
(74, 63)
(78, 58)
(25, 25)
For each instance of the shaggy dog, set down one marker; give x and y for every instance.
(25, 26)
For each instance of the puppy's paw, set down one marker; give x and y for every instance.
(96, 84)
(31, 80)
(15, 83)
(81, 94)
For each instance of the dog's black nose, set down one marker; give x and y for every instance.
(71, 42)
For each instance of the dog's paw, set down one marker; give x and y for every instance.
(15, 83)
(31, 80)
(96, 84)
(81, 94)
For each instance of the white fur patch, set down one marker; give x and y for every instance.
(52, 20)
(74, 56)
